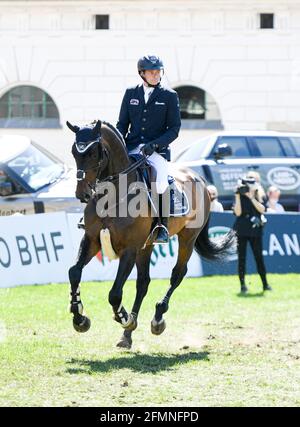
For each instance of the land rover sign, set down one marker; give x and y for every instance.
(284, 178)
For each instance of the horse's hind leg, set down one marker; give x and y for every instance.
(186, 245)
(87, 251)
(142, 283)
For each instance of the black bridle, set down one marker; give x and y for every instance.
(102, 151)
(82, 172)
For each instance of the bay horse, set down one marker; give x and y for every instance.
(101, 156)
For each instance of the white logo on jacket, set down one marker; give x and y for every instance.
(160, 103)
(134, 101)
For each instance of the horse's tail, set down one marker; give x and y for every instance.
(217, 249)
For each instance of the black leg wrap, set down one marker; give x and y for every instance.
(121, 315)
(161, 308)
(74, 307)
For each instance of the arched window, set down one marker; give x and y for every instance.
(28, 107)
(198, 109)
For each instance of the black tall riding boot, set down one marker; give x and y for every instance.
(162, 234)
(266, 286)
(244, 288)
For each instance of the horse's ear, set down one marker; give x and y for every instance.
(73, 128)
(97, 128)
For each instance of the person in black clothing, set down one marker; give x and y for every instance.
(249, 208)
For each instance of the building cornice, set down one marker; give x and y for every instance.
(262, 4)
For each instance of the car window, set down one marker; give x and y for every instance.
(296, 144)
(194, 152)
(269, 146)
(35, 168)
(238, 146)
(288, 147)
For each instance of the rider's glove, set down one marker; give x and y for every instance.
(149, 149)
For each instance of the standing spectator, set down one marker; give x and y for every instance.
(254, 175)
(248, 208)
(215, 205)
(272, 204)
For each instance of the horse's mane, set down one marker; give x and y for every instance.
(116, 132)
(114, 129)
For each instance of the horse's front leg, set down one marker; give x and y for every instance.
(88, 249)
(127, 261)
(142, 283)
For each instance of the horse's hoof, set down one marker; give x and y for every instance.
(131, 324)
(125, 343)
(83, 326)
(157, 328)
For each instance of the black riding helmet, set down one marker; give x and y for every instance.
(149, 62)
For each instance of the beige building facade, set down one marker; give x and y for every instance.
(72, 60)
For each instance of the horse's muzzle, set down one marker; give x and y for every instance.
(83, 196)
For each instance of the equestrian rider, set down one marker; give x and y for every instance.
(149, 120)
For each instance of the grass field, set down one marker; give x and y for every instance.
(219, 348)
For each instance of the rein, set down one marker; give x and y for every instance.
(130, 169)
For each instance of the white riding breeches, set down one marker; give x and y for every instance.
(161, 166)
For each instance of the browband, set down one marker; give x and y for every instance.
(81, 147)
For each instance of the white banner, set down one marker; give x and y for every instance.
(37, 249)
(34, 249)
(163, 259)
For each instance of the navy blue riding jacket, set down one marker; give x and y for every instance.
(158, 121)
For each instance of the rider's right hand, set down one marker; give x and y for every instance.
(148, 149)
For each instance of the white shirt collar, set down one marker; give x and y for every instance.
(147, 92)
(147, 89)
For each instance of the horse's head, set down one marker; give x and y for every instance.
(89, 154)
